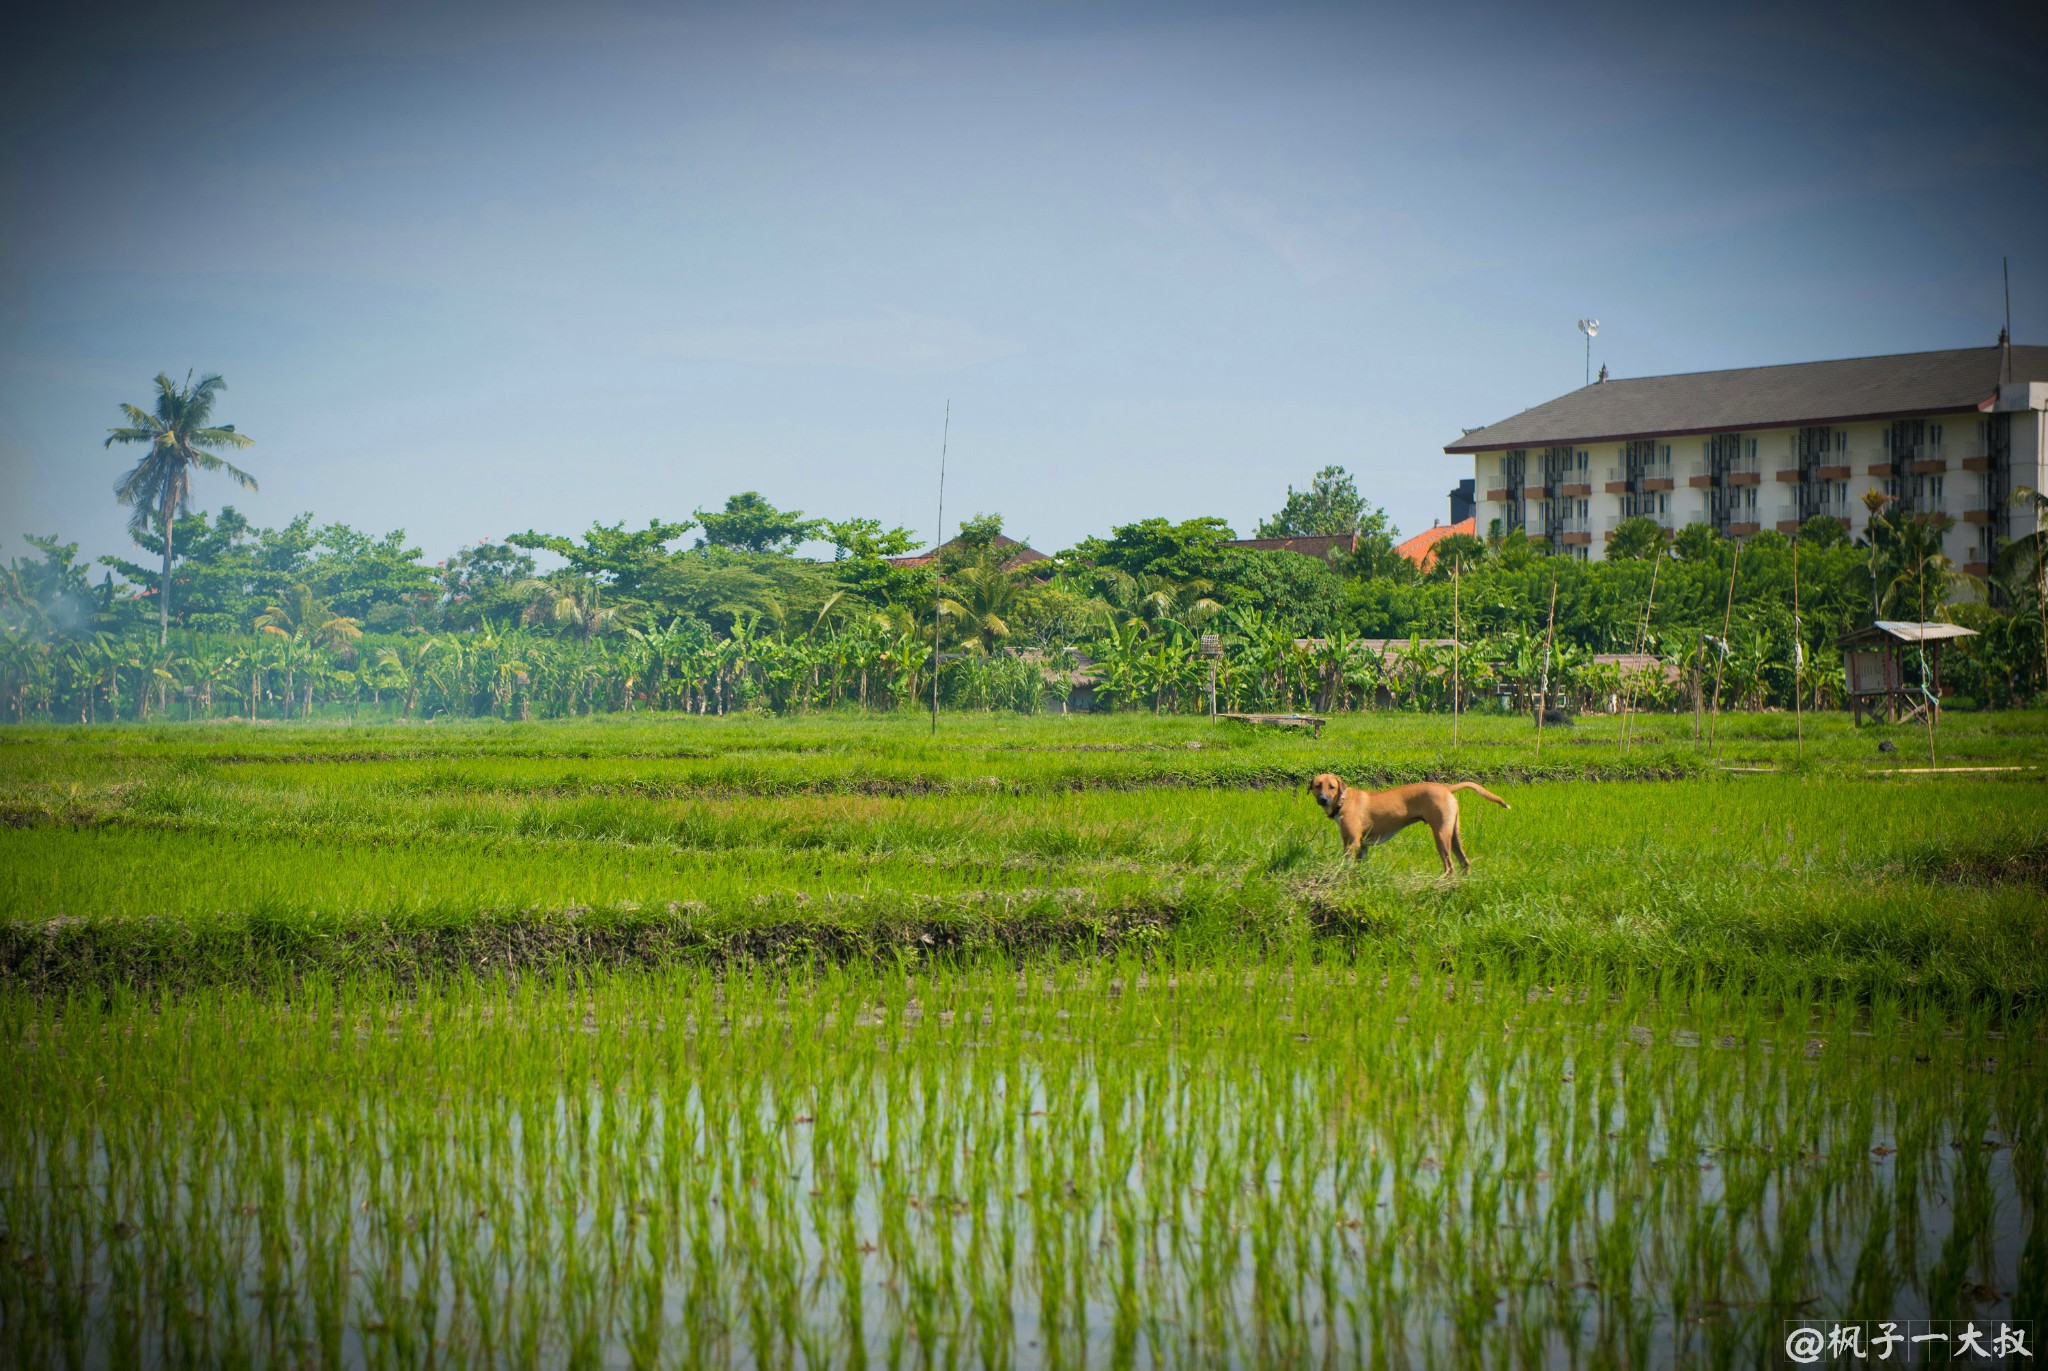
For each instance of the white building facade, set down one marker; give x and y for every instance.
(1770, 447)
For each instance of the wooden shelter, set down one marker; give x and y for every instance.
(1873, 667)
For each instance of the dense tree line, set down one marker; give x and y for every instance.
(720, 611)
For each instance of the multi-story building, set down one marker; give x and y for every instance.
(1770, 447)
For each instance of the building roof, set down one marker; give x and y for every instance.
(1763, 397)
(1316, 545)
(1021, 556)
(1903, 631)
(1419, 549)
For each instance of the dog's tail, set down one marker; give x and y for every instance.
(1482, 792)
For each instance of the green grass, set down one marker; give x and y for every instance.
(164, 858)
(1052, 1042)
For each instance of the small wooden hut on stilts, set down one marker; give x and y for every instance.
(1874, 662)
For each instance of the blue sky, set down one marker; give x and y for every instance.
(474, 269)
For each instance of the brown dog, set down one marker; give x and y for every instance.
(1367, 818)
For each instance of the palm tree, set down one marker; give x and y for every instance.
(299, 613)
(982, 601)
(178, 434)
(404, 666)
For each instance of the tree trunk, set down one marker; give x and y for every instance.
(163, 587)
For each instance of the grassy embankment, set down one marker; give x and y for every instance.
(229, 852)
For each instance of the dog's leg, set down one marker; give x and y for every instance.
(1446, 838)
(1458, 846)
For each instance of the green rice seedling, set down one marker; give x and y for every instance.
(988, 1164)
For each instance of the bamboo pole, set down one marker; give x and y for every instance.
(1543, 692)
(1798, 660)
(1929, 701)
(938, 568)
(1628, 717)
(1721, 661)
(1457, 566)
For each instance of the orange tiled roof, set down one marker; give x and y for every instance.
(1417, 549)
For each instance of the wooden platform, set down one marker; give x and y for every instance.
(1308, 721)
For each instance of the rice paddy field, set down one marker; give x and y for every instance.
(1049, 1041)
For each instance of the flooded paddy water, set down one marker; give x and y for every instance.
(1365, 1162)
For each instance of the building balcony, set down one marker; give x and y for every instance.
(1745, 478)
(1836, 473)
(1790, 478)
(1657, 483)
(1879, 469)
(1575, 539)
(1742, 530)
(1980, 462)
(1574, 488)
(1699, 482)
(1927, 466)
(1533, 492)
(1788, 525)
(1616, 488)
(1976, 516)
(1498, 496)
(1976, 568)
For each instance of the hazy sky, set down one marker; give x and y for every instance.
(477, 268)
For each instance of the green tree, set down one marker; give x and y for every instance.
(375, 579)
(980, 601)
(1823, 531)
(1698, 543)
(1331, 507)
(477, 582)
(1635, 540)
(1374, 554)
(976, 540)
(1186, 551)
(49, 596)
(861, 560)
(299, 614)
(1910, 575)
(179, 433)
(633, 564)
(1464, 551)
(750, 524)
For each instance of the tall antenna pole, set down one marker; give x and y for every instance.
(938, 566)
(2005, 265)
